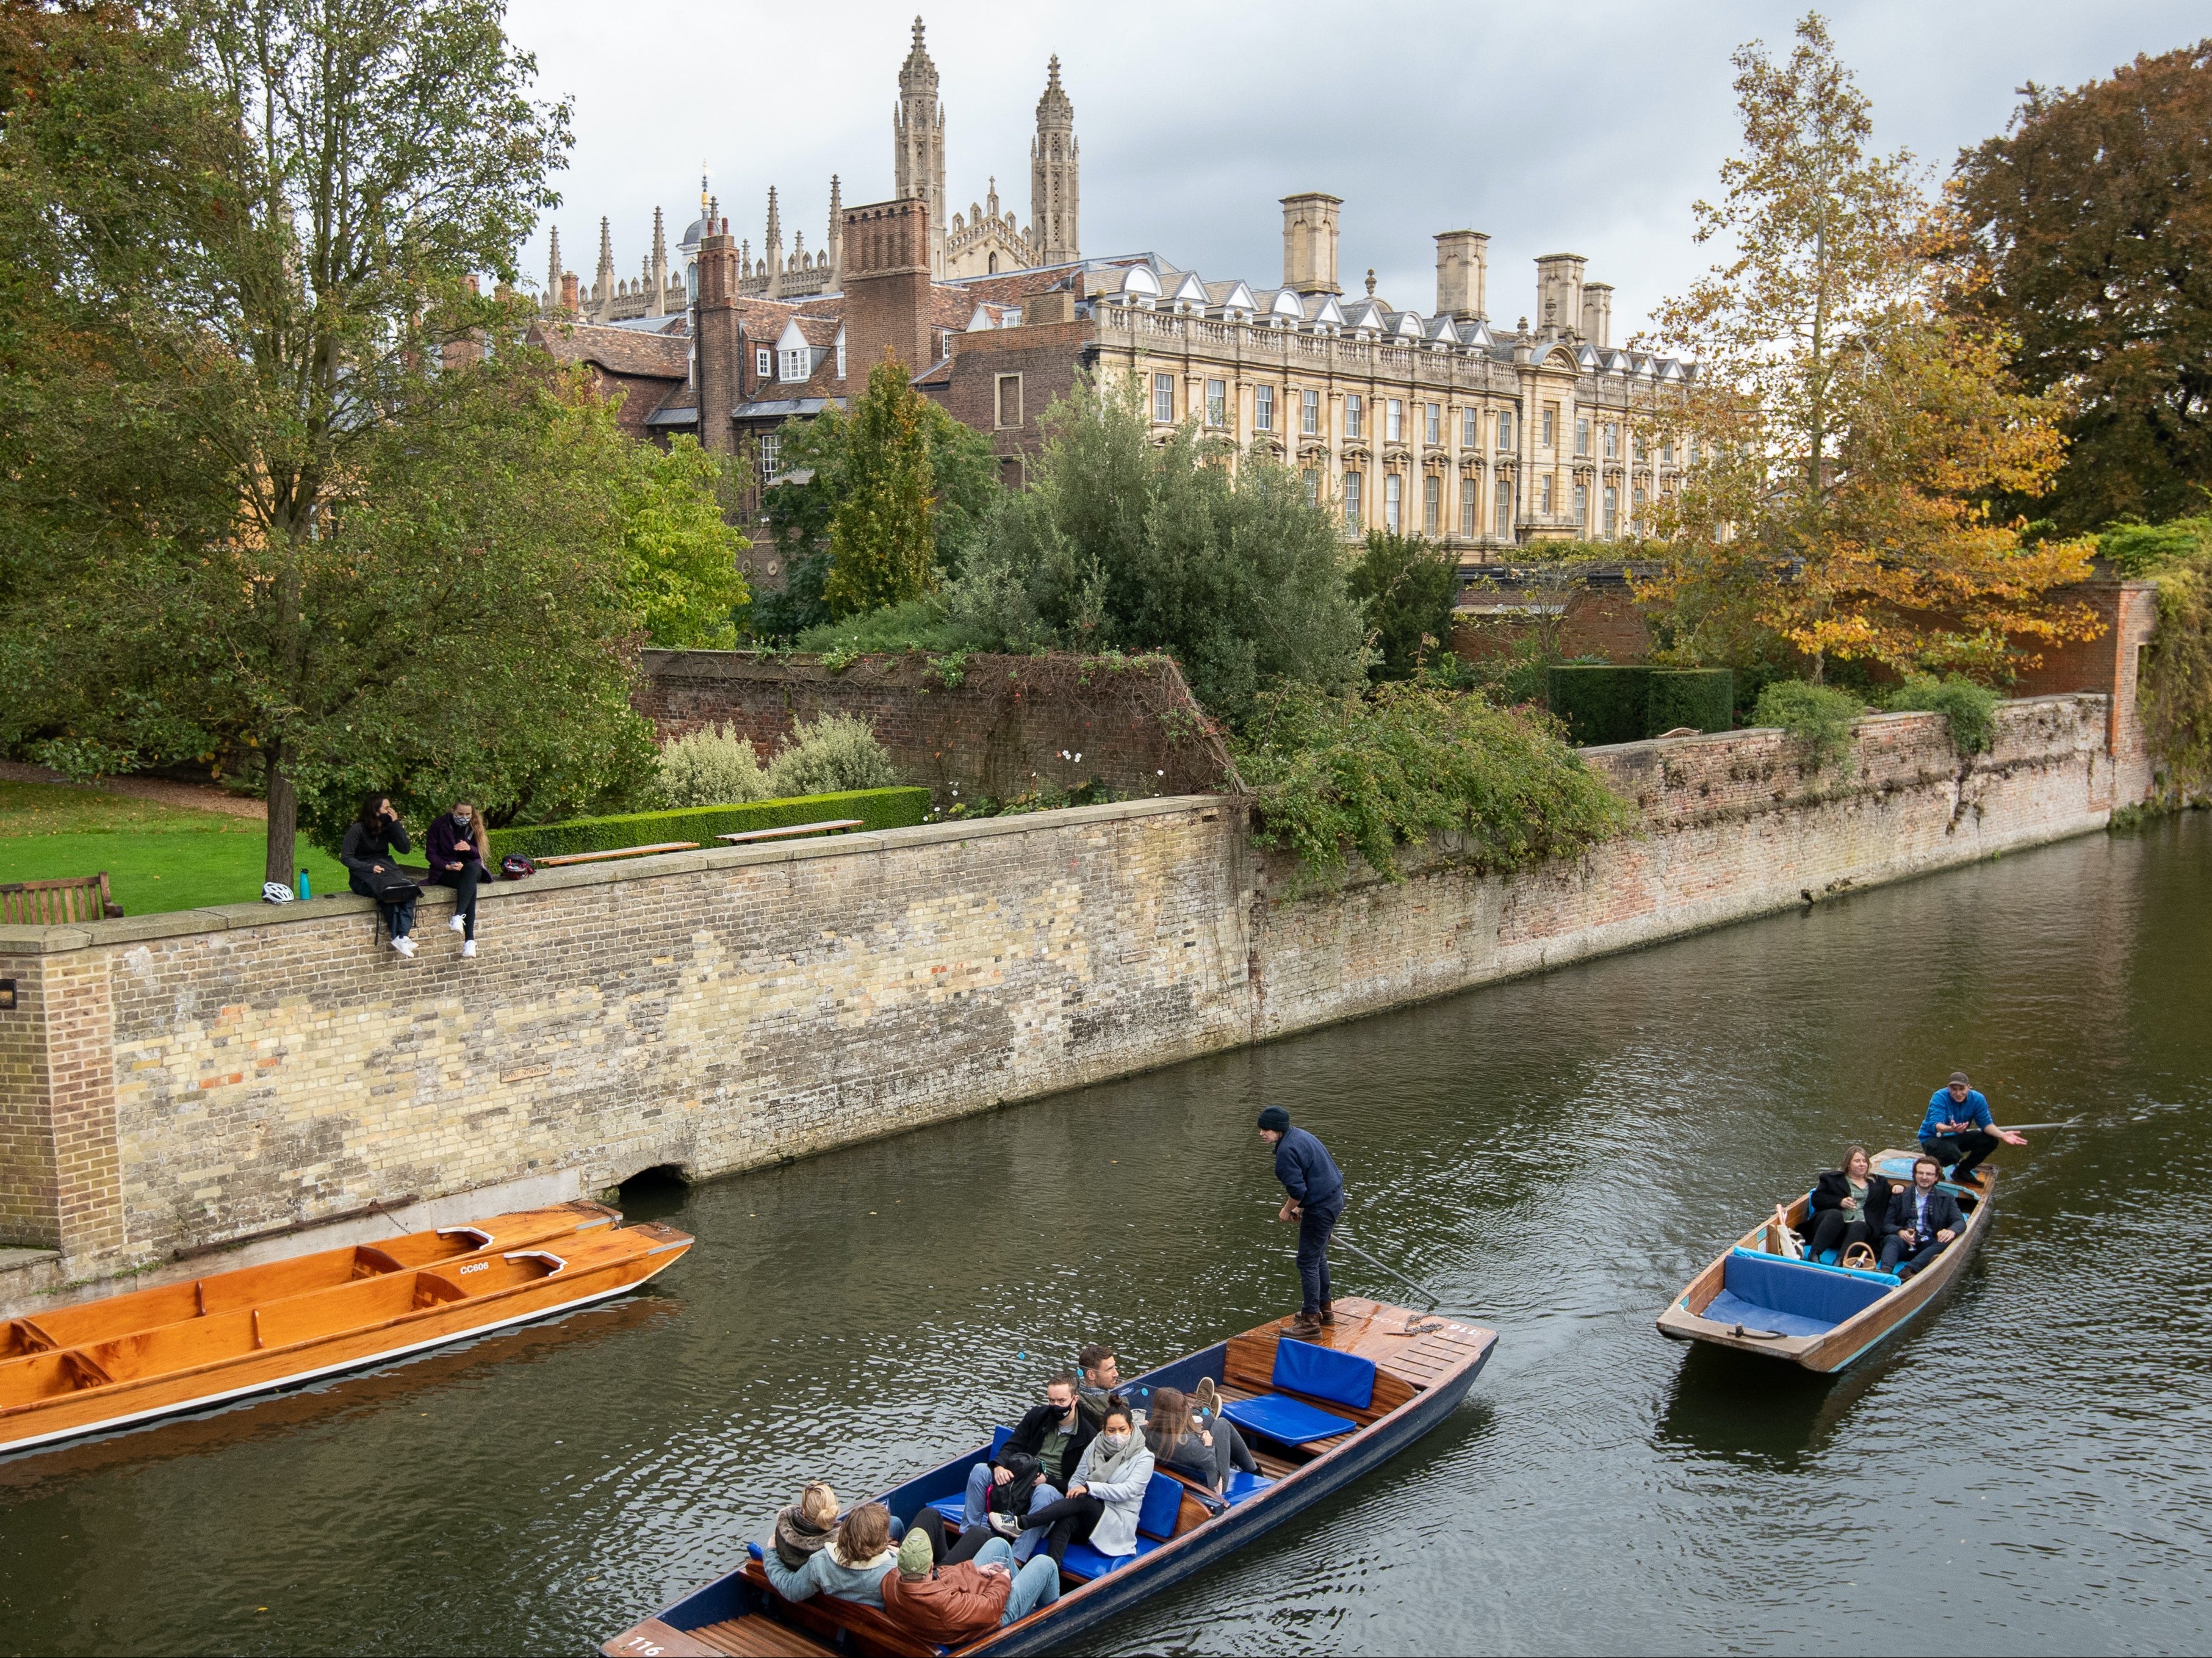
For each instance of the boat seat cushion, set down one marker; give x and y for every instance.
(1243, 1486)
(1156, 1515)
(1289, 1421)
(1086, 1563)
(1324, 1373)
(1827, 1293)
(1729, 1308)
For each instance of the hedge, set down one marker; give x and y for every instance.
(1603, 703)
(877, 809)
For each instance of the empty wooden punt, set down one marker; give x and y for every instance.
(290, 1338)
(1410, 1383)
(169, 1303)
(1820, 1329)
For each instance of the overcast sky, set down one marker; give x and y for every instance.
(1588, 129)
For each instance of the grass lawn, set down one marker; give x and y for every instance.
(157, 857)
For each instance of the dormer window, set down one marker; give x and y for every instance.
(797, 364)
(763, 361)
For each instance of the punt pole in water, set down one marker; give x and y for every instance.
(1433, 1298)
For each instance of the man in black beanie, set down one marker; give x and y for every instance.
(1309, 1174)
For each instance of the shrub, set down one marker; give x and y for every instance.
(1601, 702)
(877, 809)
(1409, 762)
(918, 625)
(1703, 697)
(1819, 718)
(2176, 693)
(713, 766)
(830, 755)
(1971, 709)
(1405, 587)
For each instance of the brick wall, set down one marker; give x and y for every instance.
(1043, 356)
(1001, 731)
(217, 1072)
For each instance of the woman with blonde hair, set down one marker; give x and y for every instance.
(850, 1567)
(460, 854)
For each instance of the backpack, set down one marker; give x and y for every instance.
(514, 866)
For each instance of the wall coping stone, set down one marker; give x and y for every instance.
(184, 923)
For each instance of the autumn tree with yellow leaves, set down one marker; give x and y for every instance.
(1850, 421)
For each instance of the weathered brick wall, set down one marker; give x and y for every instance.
(217, 1072)
(28, 1207)
(1007, 727)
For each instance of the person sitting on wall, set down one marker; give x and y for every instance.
(367, 852)
(460, 850)
(1958, 1129)
(851, 1566)
(1921, 1222)
(1031, 1470)
(1848, 1206)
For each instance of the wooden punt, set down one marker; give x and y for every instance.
(245, 1286)
(1417, 1381)
(293, 1337)
(1821, 1317)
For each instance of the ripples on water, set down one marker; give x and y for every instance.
(2026, 1473)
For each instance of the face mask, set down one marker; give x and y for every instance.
(1113, 1443)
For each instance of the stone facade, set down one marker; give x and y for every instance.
(174, 1080)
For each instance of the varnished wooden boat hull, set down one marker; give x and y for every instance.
(700, 1624)
(1857, 1336)
(591, 1267)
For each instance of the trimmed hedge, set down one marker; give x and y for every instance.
(1603, 703)
(877, 809)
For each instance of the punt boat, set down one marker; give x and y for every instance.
(223, 1337)
(1822, 1316)
(1317, 1415)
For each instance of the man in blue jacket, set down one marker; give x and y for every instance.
(1959, 1129)
(1309, 1174)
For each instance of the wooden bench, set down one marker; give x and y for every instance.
(759, 1637)
(619, 852)
(868, 1628)
(55, 903)
(793, 831)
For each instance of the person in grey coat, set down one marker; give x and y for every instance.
(1102, 1499)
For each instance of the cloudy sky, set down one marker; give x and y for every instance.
(1588, 129)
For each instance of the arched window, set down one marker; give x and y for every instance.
(994, 263)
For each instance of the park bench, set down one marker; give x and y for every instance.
(792, 831)
(619, 852)
(54, 903)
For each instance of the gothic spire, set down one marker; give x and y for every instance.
(553, 271)
(659, 239)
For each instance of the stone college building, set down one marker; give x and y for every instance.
(1445, 424)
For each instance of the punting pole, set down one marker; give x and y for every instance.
(1416, 1324)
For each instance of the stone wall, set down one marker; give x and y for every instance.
(999, 726)
(174, 1080)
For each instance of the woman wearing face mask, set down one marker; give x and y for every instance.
(1103, 1498)
(460, 849)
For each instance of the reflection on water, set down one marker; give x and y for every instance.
(2027, 1471)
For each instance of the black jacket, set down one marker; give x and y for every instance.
(1942, 1211)
(364, 845)
(1029, 1440)
(1832, 1189)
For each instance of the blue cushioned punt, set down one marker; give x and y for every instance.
(1729, 1308)
(1285, 1419)
(1156, 1515)
(1826, 1296)
(1324, 1373)
(1242, 1485)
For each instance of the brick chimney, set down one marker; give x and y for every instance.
(886, 252)
(569, 294)
(721, 345)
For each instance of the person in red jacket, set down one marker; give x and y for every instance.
(953, 1605)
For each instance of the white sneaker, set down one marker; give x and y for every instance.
(404, 947)
(469, 947)
(458, 924)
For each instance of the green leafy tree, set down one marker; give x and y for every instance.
(2093, 216)
(1405, 587)
(1852, 424)
(883, 546)
(238, 372)
(680, 557)
(1122, 544)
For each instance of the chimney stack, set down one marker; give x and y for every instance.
(1309, 243)
(1559, 293)
(719, 347)
(885, 247)
(1462, 272)
(568, 295)
(1597, 314)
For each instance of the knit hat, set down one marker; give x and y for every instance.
(1275, 1119)
(915, 1558)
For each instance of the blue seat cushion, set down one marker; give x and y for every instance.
(1286, 1420)
(1820, 1297)
(954, 1508)
(1156, 1515)
(1086, 1563)
(1728, 1308)
(998, 1438)
(1324, 1373)
(1242, 1485)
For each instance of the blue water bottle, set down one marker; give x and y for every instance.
(304, 894)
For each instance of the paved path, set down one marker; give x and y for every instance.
(205, 797)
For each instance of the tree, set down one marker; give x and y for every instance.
(824, 469)
(2093, 217)
(1405, 588)
(1851, 425)
(1122, 544)
(882, 545)
(235, 355)
(680, 557)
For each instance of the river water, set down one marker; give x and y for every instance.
(2029, 1472)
